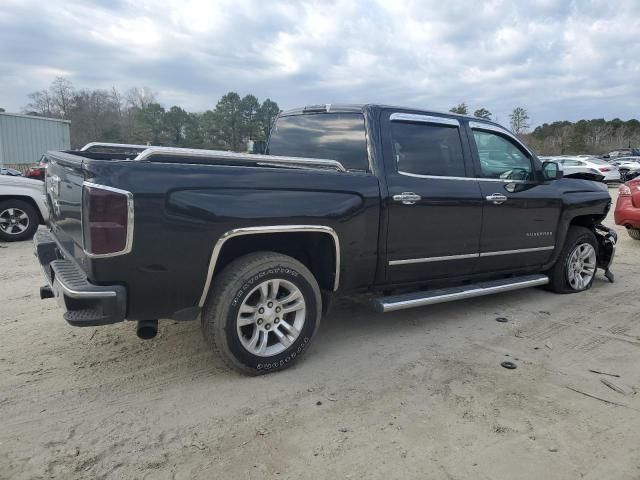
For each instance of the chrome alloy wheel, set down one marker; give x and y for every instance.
(581, 266)
(271, 317)
(13, 221)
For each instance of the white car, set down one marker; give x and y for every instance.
(629, 167)
(570, 165)
(23, 206)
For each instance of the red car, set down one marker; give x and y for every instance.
(37, 171)
(627, 211)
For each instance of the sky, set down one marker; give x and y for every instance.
(561, 60)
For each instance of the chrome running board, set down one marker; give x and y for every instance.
(420, 299)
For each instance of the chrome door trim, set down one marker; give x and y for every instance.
(520, 250)
(409, 261)
(412, 117)
(433, 259)
(268, 229)
(130, 220)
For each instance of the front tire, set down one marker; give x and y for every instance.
(18, 220)
(262, 312)
(634, 233)
(576, 266)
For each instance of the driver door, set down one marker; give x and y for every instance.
(520, 212)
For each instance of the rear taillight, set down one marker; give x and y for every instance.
(107, 220)
(624, 191)
(605, 169)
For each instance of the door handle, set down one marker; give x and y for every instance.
(407, 198)
(496, 198)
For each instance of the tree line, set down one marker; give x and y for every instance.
(137, 117)
(594, 137)
(518, 118)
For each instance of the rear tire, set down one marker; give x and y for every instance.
(262, 312)
(575, 268)
(634, 233)
(18, 220)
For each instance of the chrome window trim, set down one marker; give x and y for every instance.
(268, 229)
(130, 220)
(409, 261)
(476, 179)
(239, 157)
(412, 117)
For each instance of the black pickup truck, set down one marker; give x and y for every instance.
(409, 207)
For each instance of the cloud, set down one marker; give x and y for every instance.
(559, 59)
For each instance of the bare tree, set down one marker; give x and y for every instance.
(62, 93)
(40, 103)
(140, 98)
(519, 120)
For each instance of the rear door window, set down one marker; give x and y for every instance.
(333, 136)
(427, 149)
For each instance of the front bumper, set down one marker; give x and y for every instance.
(86, 304)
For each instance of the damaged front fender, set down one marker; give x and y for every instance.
(607, 239)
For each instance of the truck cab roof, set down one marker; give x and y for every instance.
(361, 107)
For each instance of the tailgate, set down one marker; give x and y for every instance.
(64, 179)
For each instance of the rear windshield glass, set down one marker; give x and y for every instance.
(334, 136)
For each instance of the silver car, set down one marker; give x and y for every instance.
(570, 165)
(629, 167)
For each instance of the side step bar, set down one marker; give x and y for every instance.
(420, 299)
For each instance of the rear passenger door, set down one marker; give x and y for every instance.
(433, 206)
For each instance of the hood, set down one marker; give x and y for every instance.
(9, 181)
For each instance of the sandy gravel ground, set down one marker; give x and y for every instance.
(414, 394)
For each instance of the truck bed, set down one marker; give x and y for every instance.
(184, 201)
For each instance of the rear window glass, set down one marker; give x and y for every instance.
(333, 136)
(597, 161)
(422, 149)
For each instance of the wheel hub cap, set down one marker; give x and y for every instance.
(581, 266)
(13, 221)
(271, 317)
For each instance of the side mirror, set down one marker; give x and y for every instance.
(551, 171)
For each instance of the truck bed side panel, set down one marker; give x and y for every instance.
(182, 210)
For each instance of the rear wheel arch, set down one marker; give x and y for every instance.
(309, 244)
